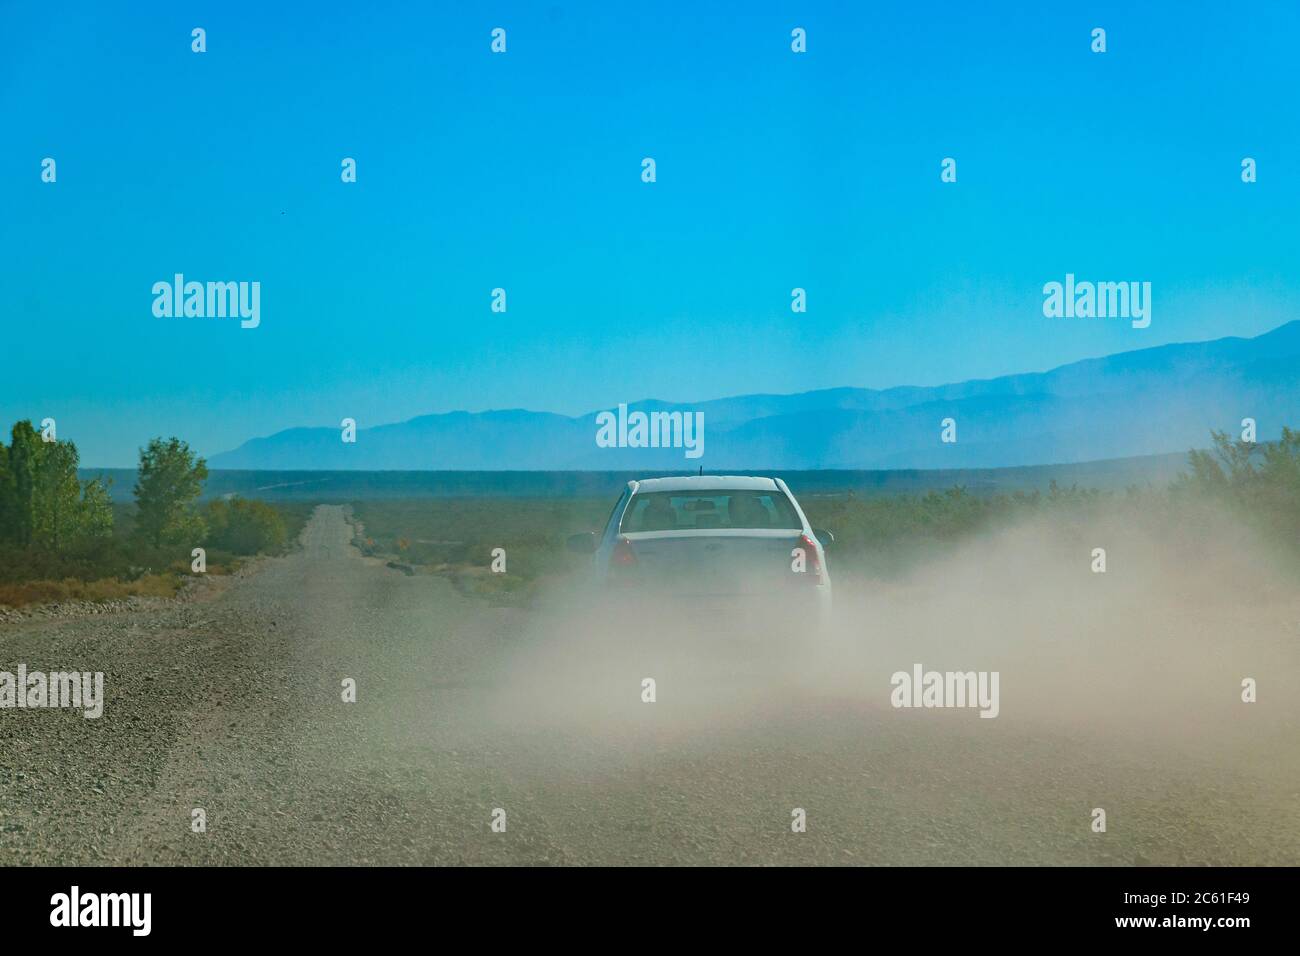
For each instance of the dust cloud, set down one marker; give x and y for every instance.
(1150, 653)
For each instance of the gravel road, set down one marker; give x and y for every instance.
(232, 702)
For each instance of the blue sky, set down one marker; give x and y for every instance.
(522, 171)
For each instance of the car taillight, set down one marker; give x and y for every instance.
(813, 557)
(623, 554)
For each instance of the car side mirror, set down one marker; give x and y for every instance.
(825, 537)
(584, 543)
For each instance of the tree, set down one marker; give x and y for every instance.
(25, 453)
(96, 510)
(170, 480)
(56, 497)
(8, 504)
(42, 503)
(244, 527)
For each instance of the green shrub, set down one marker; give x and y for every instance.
(244, 527)
(1259, 482)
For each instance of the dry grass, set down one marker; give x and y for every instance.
(102, 590)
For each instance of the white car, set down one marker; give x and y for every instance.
(713, 542)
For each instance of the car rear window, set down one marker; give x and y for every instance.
(686, 510)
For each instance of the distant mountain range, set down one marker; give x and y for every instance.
(1144, 402)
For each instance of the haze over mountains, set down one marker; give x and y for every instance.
(1148, 401)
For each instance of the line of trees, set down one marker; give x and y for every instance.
(43, 505)
(47, 510)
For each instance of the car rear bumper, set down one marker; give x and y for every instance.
(788, 609)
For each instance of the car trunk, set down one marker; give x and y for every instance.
(714, 562)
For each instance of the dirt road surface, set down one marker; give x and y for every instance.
(233, 704)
